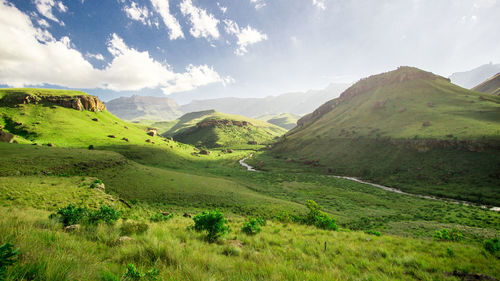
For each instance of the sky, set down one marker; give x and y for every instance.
(200, 49)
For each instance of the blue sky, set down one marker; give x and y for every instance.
(196, 49)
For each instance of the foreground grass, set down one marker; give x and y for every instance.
(280, 252)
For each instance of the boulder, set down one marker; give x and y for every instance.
(125, 139)
(152, 132)
(91, 147)
(50, 144)
(186, 215)
(205, 152)
(288, 160)
(6, 137)
(252, 142)
(148, 140)
(124, 239)
(111, 136)
(426, 124)
(95, 119)
(71, 228)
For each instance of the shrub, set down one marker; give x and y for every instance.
(128, 228)
(319, 218)
(253, 226)
(70, 215)
(213, 222)
(105, 214)
(8, 256)
(161, 217)
(132, 274)
(448, 235)
(96, 184)
(373, 232)
(492, 245)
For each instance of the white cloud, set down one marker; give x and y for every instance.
(95, 56)
(319, 4)
(246, 36)
(162, 7)
(194, 77)
(43, 23)
(58, 62)
(137, 13)
(258, 3)
(202, 23)
(44, 7)
(222, 8)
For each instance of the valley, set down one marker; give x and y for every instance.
(64, 151)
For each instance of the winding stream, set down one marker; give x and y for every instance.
(390, 189)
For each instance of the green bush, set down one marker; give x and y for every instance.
(319, 218)
(161, 217)
(105, 214)
(492, 245)
(448, 235)
(132, 274)
(253, 226)
(128, 228)
(373, 232)
(213, 222)
(70, 214)
(8, 256)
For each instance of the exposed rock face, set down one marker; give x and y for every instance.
(152, 132)
(80, 102)
(6, 137)
(222, 122)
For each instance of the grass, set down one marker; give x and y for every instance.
(279, 252)
(41, 92)
(168, 176)
(286, 121)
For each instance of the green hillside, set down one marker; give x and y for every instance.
(286, 121)
(490, 86)
(409, 129)
(214, 129)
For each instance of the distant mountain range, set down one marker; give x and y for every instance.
(158, 109)
(136, 108)
(472, 78)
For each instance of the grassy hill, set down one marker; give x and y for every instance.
(490, 86)
(214, 129)
(286, 121)
(410, 129)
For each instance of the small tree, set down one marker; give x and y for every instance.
(213, 222)
(105, 214)
(70, 214)
(253, 226)
(319, 218)
(8, 256)
(492, 245)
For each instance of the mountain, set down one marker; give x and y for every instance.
(214, 129)
(406, 128)
(295, 103)
(136, 108)
(472, 78)
(490, 86)
(286, 121)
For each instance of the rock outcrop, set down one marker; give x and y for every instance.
(6, 137)
(222, 122)
(78, 102)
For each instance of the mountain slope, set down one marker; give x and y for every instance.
(286, 121)
(490, 86)
(136, 108)
(213, 129)
(471, 78)
(407, 128)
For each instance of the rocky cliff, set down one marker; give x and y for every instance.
(78, 102)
